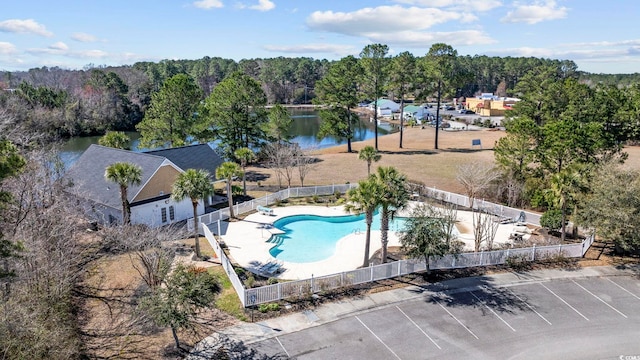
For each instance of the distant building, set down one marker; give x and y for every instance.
(488, 104)
(417, 112)
(385, 107)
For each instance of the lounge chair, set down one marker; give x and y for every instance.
(265, 266)
(273, 269)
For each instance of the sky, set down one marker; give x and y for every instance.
(599, 36)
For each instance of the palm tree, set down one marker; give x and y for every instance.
(565, 186)
(369, 154)
(228, 170)
(124, 174)
(196, 185)
(365, 199)
(394, 197)
(115, 139)
(245, 156)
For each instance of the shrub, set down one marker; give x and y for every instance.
(315, 198)
(518, 262)
(263, 308)
(551, 219)
(237, 190)
(272, 281)
(249, 282)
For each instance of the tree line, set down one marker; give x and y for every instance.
(61, 103)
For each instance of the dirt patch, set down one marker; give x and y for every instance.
(111, 324)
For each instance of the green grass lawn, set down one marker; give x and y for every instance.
(228, 300)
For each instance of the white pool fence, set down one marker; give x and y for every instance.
(211, 225)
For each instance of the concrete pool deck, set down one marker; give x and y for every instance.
(247, 242)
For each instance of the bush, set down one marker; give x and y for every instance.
(263, 308)
(237, 190)
(518, 262)
(249, 282)
(551, 219)
(272, 281)
(315, 198)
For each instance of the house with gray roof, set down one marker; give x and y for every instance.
(150, 201)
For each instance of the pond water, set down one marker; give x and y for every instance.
(304, 129)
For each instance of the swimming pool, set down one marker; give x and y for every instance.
(309, 238)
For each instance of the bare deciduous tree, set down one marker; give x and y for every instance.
(305, 164)
(484, 229)
(476, 178)
(281, 157)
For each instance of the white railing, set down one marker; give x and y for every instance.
(226, 265)
(306, 287)
(251, 205)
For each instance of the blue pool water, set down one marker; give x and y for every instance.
(310, 238)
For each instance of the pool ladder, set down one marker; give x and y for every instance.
(276, 240)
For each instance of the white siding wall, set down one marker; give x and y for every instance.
(151, 213)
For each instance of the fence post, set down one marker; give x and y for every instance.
(533, 252)
(400, 267)
(481, 253)
(371, 277)
(342, 278)
(279, 290)
(559, 249)
(312, 287)
(219, 228)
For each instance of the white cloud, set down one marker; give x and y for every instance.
(208, 4)
(28, 26)
(340, 50)
(461, 5)
(83, 37)
(535, 12)
(408, 28)
(263, 5)
(59, 46)
(388, 18)
(7, 48)
(417, 39)
(94, 54)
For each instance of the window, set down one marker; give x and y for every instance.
(164, 214)
(172, 213)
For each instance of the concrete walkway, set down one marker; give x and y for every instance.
(252, 332)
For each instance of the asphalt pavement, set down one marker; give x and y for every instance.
(588, 313)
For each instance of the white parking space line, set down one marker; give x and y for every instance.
(566, 303)
(597, 297)
(529, 306)
(282, 346)
(490, 309)
(456, 319)
(382, 342)
(629, 292)
(419, 328)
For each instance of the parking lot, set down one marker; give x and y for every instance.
(581, 318)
